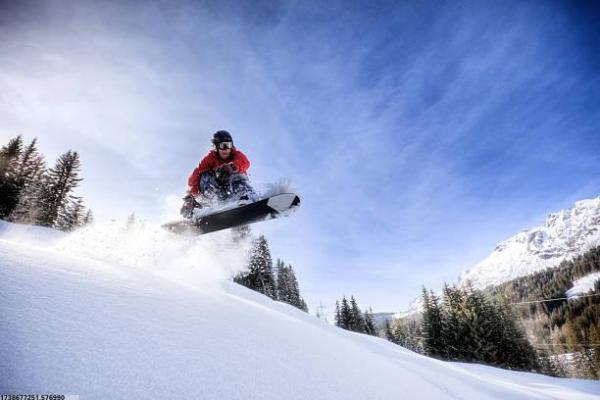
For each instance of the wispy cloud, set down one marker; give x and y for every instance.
(418, 134)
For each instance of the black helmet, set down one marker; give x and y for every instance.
(221, 136)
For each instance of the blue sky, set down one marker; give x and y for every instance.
(419, 134)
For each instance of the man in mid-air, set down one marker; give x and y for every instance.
(219, 177)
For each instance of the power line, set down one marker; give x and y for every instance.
(566, 344)
(558, 298)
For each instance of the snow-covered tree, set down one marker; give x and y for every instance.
(287, 286)
(468, 326)
(369, 323)
(88, 218)
(31, 164)
(133, 222)
(433, 341)
(405, 332)
(349, 316)
(10, 156)
(71, 216)
(56, 188)
(338, 314)
(345, 317)
(259, 275)
(29, 193)
(357, 320)
(31, 170)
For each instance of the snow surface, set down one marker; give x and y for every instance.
(137, 313)
(583, 285)
(563, 236)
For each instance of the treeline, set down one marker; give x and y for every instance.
(279, 284)
(505, 326)
(567, 330)
(512, 325)
(406, 332)
(349, 316)
(465, 325)
(470, 325)
(31, 193)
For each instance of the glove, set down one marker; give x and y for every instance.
(224, 171)
(189, 203)
(229, 168)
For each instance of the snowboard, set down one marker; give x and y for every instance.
(276, 206)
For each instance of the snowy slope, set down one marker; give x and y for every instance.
(145, 322)
(564, 235)
(584, 285)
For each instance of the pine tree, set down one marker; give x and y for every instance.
(133, 222)
(9, 155)
(484, 333)
(357, 320)
(56, 188)
(297, 299)
(9, 167)
(452, 329)
(71, 215)
(287, 286)
(259, 276)
(294, 290)
(349, 316)
(389, 332)
(282, 280)
(433, 342)
(302, 305)
(405, 332)
(31, 170)
(549, 365)
(88, 218)
(338, 315)
(369, 324)
(513, 350)
(473, 328)
(31, 164)
(345, 314)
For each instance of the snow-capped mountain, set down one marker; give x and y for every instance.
(379, 319)
(563, 235)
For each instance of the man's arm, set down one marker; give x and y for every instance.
(194, 178)
(241, 162)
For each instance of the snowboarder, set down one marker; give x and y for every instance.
(219, 177)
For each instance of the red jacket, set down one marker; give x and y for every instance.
(212, 161)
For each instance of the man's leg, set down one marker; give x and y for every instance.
(209, 187)
(214, 189)
(240, 188)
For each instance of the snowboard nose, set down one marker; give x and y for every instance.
(284, 201)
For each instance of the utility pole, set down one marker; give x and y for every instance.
(321, 314)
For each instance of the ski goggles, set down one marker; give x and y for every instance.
(225, 145)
